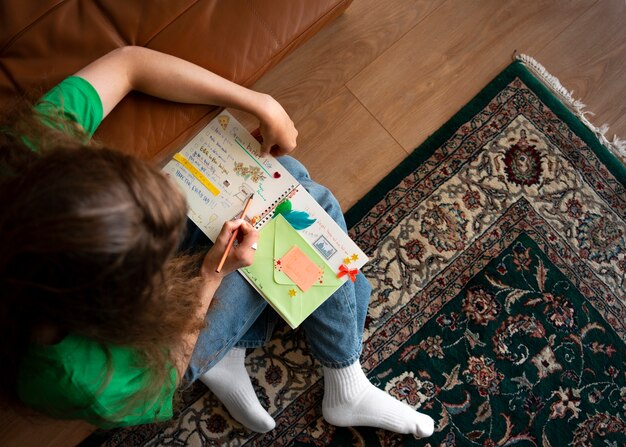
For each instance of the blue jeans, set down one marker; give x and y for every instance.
(239, 316)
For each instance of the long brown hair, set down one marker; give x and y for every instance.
(87, 243)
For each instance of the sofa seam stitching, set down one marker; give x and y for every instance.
(110, 21)
(264, 23)
(6, 72)
(169, 23)
(30, 25)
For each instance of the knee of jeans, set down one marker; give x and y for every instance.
(294, 167)
(327, 200)
(321, 194)
(362, 285)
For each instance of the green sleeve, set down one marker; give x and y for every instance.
(73, 99)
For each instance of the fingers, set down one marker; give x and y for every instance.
(278, 133)
(278, 146)
(256, 134)
(241, 254)
(248, 235)
(278, 149)
(266, 147)
(225, 233)
(243, 251)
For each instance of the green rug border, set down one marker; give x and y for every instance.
(434, 141)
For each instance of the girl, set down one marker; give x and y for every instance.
(103, 316)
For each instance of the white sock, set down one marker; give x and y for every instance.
(351, 400)
(230, 382)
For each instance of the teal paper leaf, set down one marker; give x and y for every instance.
(299, 220)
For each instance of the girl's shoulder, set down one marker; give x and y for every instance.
(79, 378)
(73, 101)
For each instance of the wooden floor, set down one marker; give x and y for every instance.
(368, 89)
(371, 86)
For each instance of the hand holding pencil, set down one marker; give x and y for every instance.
(225, 254)
(233, 236)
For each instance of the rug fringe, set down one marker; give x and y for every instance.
(617, 145)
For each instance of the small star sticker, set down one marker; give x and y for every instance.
(292, 293)
(354, 257)
(346, 261)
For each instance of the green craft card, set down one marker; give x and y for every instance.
(275, 239)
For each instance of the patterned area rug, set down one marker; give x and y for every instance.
(499, 273)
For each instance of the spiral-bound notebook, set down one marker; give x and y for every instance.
(296, 268)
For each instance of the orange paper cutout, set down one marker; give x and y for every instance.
(300, 269)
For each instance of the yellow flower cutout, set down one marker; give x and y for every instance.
(354, 257)
(346, 261)
(292, 293)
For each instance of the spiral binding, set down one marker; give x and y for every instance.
(266, 214)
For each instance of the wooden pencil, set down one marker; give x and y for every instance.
(233, 236)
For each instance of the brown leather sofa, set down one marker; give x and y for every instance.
(43, 41)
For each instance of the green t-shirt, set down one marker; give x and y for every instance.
(72, 379)
(75, 100)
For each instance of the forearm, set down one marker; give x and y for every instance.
(115, 74)
(175, 79)
(168, 77)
